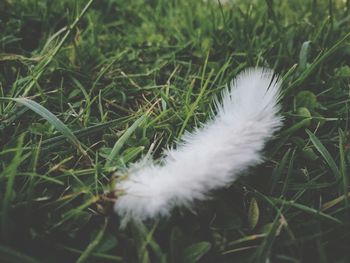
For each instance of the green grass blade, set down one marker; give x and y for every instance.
(308, 210)
(295, 127)
(10, 173)
(10, 255)
(196, 251)
(93, 254)
(325, 154)
(50, 117)
(90, 248)
(344, 176)
(55, 141)
(122, 140)
(277, 172)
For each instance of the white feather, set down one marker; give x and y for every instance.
(212, 156)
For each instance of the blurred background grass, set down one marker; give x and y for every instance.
(89, 69)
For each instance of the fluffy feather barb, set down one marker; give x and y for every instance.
(212, 156)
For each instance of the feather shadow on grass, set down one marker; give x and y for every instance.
(210, 157)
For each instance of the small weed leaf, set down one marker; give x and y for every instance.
(253, 213)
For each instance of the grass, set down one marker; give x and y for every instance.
(88, 87)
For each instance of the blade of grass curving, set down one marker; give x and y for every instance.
(325, 154)
(196, 251)
(334, 202)
(53, 142)
(40, 178)
(10, 255)
(294, 128)
(308, 210)
(51, 118)
(121, 141)
(90, 248)
(289, 173)
(277, 172)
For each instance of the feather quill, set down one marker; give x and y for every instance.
(210, 157)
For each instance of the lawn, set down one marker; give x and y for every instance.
(89, 87)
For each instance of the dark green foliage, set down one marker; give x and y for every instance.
(124, 77)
